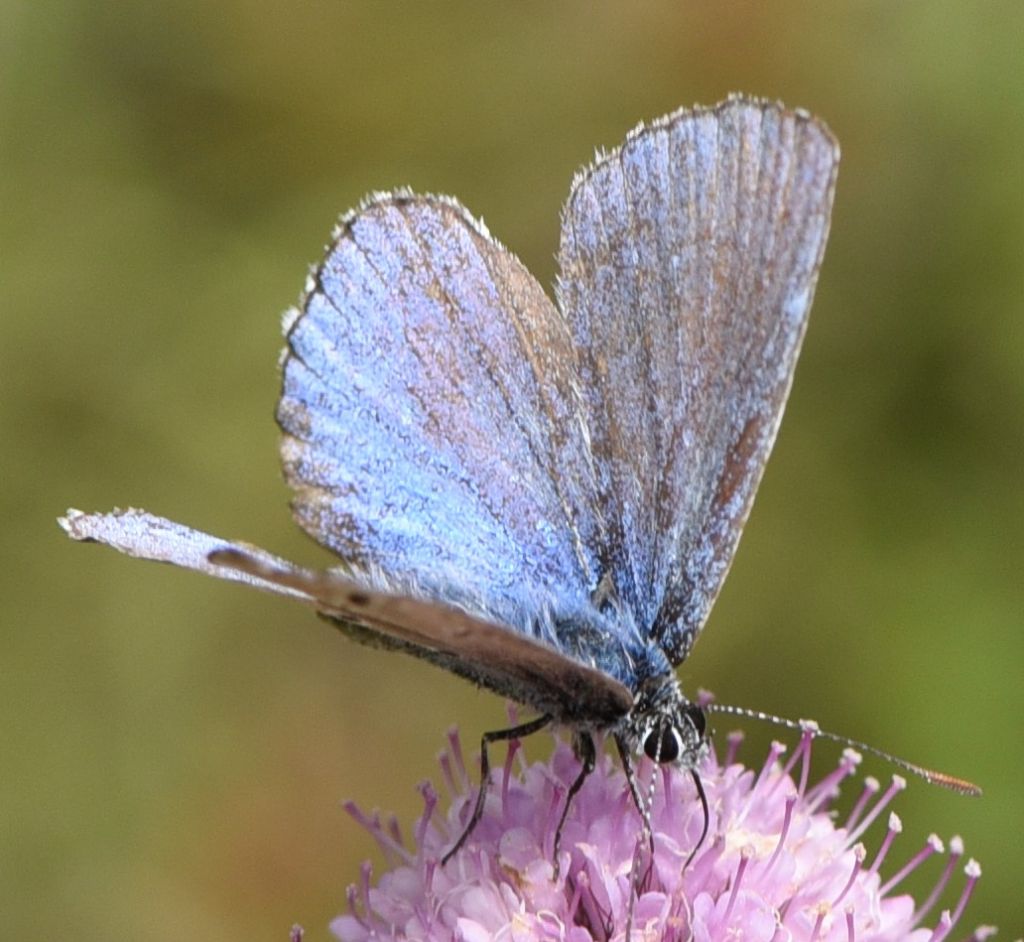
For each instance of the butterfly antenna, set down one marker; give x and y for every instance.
(958, 785)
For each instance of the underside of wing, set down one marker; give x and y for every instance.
(144, 535)
(487, 653)
(433, 427)
(689, 258)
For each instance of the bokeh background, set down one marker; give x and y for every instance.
(174, 751)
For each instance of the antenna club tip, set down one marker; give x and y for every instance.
(959, 785)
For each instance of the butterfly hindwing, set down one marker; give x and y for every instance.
(688, 261)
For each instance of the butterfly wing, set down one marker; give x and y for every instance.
(489, 470)
(433, 429)
(146, 536)
(434, 438)
(688, 262)
(490, 654)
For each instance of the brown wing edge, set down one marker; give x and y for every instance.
(486, 653)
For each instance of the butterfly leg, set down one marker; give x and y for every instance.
(498, 735)
(587, 754)
(707, 817)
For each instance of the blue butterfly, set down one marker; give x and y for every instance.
(544, 498)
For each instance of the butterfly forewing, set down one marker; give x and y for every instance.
(433, 426)
(688, 262)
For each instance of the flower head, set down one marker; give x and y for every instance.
(775, 863)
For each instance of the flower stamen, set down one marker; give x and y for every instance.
(455, 748)
(823, 911)
(895, 827)
(769, 767)
(956, 851)
(859, 854)
(392, 849)
(973, 873)
(898, 784)
(933, 845)
(733, 742)
(827, 789)
(871, 788)
(429, 796)
(787, 820)
(942, 929)
(737, 882)
(800, 754)
(514, 746)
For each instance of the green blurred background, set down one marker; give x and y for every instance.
(175, 750)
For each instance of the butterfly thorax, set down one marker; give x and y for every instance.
(611, 642)
(662, 723)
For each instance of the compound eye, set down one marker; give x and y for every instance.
(663, 744)
(697, 720)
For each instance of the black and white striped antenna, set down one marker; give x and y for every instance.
(932, 777)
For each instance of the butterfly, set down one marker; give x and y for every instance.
(544, 497)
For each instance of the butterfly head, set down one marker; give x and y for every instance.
(667, 726)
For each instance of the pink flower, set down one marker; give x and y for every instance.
(775, 865)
